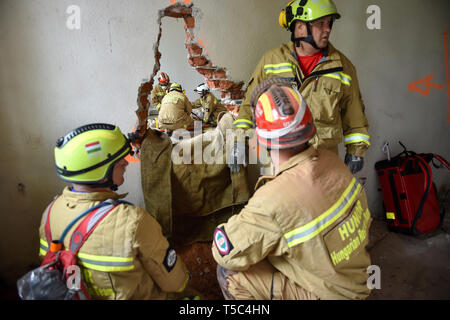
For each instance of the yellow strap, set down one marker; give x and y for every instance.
(390, 215)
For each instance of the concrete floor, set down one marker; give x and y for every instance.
(412, 268)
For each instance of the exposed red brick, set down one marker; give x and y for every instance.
(220, 74)
(207, 73)
(226, 84)
(190, 22)
(237, 86)
(194, 49)
(225, 95)
(213, 84)
(235, 95)
(198, 61)
(178, 11)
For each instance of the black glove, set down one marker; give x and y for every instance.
(354, 163)
(237, 157)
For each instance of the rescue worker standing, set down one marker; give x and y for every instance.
(160, 90)
(303, 233)
(175, 110)
(211, 106)
(324, 76)
(126, 256)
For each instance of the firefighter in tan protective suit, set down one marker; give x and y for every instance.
(211, 106)
(175, 110)
(160, 90)
(303, 233)
(126, 256)
(323, 75)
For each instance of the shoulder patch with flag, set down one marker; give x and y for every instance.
(93, 149)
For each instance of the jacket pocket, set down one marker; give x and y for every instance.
(324, 102)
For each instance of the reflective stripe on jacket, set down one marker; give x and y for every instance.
(331, 91)
(310, 221)
(126, 256)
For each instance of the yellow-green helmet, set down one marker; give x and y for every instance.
(306, 10)
(176, 87)
(87, 154)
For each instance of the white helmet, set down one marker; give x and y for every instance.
(201, 88)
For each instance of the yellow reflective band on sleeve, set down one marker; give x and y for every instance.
(357, 137)
(390, 215)
(313, 228)
(279, 68)
(242, 123)
(105, 263)
(43, 247)
(344, 78)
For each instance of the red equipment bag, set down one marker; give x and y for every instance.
(409, 194)
(51, 280)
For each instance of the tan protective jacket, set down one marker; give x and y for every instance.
(331, 91)
(175, 111)
(157, 94)
(126, 256)
(211, 106)
(310, 221)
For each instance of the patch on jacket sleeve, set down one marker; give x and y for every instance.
(170, 259)
(222, 242)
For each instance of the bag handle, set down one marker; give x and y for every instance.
(423, 164)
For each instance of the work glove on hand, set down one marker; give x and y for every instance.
(354, 163)
(237, 157)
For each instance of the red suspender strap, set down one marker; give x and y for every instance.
(89, 223)
(48, 233)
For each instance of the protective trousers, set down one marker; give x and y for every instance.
(260, 282)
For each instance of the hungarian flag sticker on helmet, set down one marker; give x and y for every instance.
(93, 149)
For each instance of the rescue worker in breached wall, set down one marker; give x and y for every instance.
(126, 256)
(211, 106)
(160, 90)
(303, 234)
(175, 110)
(324, 76)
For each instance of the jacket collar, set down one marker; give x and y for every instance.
(297, 159)
(91, 196)
(292, 162)
(330, 53)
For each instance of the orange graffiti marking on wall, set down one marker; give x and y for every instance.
(427, 83)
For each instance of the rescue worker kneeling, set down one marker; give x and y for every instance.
(176, 109)
(303, 233)
(126, 256)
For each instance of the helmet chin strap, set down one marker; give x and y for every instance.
(107, 184)
(309, 38)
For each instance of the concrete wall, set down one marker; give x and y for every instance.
(53, 79)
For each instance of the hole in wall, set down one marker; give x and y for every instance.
(216, 77)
